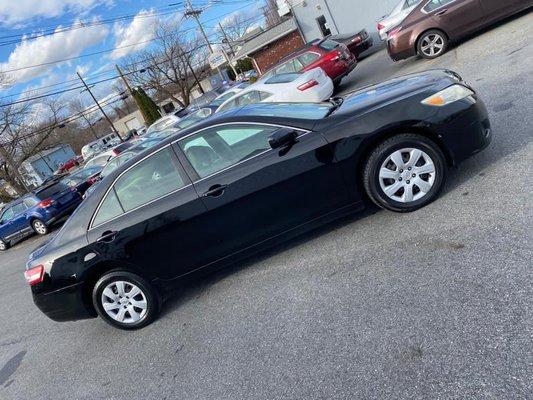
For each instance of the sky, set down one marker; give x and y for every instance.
(20, 19)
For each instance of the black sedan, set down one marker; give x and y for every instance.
(244, 180)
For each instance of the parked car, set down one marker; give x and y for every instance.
(333, 57)
(310, 86)
(162, 123)
(357, 43)
(239, 182)
(83, 179)
(432, 25)
(217, 102)
(36, 212)
(68, 165)
(396, 16)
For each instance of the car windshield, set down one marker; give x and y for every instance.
(163, 123)
(328, 45)
(80, 176)
(223, 97)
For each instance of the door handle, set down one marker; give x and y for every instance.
(107, 237)
(215, 191)
(442, 12)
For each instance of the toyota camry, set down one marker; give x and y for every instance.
(249, 178)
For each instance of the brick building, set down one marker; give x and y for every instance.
(267, 47)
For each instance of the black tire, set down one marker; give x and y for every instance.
(376, 159)
(433, 33)
(4, 245)
(148, 291)
(39, 227)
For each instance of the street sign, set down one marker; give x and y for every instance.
(217, 60)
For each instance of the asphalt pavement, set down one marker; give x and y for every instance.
(436, 304)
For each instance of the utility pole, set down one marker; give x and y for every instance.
(190, 11)
(227, 40)
(101, 109)
(193, 73)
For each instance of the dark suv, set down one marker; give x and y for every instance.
(36, 212)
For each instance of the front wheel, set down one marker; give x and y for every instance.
(125, 300)
(39, 227)
(3, 245)
(404, 173)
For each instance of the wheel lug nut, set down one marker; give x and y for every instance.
(401, 171)
(400, 179)
(414, 175)
(409, 168)
(408, 182)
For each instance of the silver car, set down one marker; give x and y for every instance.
(396, 16)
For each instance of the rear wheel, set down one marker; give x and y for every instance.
(39, 227)
(432, 44)
(3, 245)
(125, 300)
(405, 173)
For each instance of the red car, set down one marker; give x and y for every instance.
(68, 165)
(333, 57)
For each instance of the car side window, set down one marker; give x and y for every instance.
(109, 209)
(217, 148)
(18, 208)
(149, 180)
(30, 202)
(293, 65)
(308, 58)
(434, 4)
(7, 215)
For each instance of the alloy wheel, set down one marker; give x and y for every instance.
(407, 175)
(124, 302)
(40, 227)
(432, 45)
(2, 245)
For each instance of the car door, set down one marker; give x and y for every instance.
(18, 226)
(253, 192)
(6, 225)
(152, 217)
(495, 9)
(455, 17)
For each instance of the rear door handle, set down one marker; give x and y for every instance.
(215, 191)
(107, 237)
(442, 12)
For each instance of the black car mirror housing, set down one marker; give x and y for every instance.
(282, 138)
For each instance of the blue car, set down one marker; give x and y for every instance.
(36, 212)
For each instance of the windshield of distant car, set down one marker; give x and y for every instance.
(223, 97)
(163, 123)
(80, 176)
(98, 160)
(312, 111)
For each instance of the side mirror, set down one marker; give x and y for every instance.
(282, 138)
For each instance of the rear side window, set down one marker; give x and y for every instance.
(434, 4)
(308, 58)
(293, 65)
(18, 208)
(51, 190)
(151, 179)
(30, 202)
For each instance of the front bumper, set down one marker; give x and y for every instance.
(468, 132)
(65, 304)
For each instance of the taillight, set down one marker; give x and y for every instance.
(380, 26)
(45, 203)
(307, 85)
(34, 275)
(357, 40)
(394, 32)
(333, 56)
(92, 180)
(115, 152)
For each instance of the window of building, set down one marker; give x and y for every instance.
(323, 26)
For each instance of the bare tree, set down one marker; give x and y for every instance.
(270, 12)
(170, 69)
(79, 108)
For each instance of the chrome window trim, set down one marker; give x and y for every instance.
(303, 132)
(429, 1)
(91, 226)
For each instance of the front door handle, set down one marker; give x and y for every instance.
(215, 191)
(107, 237)
(442, 12)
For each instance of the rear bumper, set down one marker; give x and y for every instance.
(59, 215)
(65, 304)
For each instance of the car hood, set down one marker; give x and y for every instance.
(375, 96)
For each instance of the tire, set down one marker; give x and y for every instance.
(414, 183)
(432, 44)
(122, 311)
(39, 227)
(4, 245)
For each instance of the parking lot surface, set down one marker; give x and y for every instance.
(430, 305)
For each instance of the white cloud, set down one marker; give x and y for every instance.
(133, 37)
(18, 11)
(50, 48)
